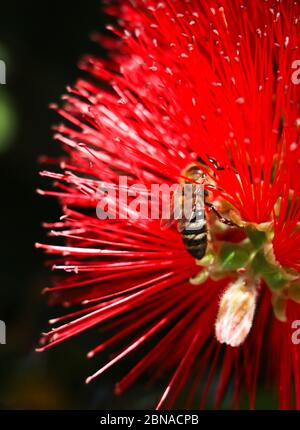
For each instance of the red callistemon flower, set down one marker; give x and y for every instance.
(209, 84)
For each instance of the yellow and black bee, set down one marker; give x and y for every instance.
(194, 226)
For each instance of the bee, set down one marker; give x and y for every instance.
(191, 198)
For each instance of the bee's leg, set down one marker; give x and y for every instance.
(221, 218)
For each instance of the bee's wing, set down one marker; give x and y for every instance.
(175, 201)
(193, 208)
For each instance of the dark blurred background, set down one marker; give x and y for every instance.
(41, 43)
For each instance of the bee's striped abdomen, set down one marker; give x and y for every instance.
(193, 227)
(195, 238)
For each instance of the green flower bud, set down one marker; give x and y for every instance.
(272, 275)
(232, 256)
(257, 238)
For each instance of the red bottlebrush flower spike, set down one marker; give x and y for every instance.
(190, 86)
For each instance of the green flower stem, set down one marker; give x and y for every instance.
(272, 274)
